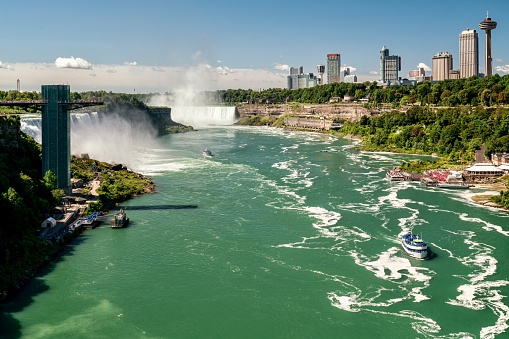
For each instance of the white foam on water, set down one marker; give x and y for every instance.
(389, 266)
(487, 225)
(480, 293)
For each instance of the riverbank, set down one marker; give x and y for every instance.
(85, 199)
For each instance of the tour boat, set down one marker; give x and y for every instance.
(414, 246)
(119, 220)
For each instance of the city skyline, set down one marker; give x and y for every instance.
(163, 45)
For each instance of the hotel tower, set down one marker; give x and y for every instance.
(469, 54)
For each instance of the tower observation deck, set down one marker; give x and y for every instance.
(56, 137)
(488, 25)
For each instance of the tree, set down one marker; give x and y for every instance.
(50, 179)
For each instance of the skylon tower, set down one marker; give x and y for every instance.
(488, 25)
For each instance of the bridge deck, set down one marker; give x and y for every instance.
(73, 104)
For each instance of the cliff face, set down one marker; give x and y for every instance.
(350, 112)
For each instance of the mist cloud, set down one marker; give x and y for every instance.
(72, 62)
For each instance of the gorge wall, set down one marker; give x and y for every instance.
(345, 111)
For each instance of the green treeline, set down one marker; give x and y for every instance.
(473, 91)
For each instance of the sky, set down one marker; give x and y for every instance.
(159, 46)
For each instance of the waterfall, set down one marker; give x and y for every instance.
(105, 137)
(202, 116)
(31, 124)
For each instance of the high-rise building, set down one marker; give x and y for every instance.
(56, 136)
(321, 69)
(488, 25)
(441, 66)
(469, 53)
(333, 68)
(297, 79)
(390, 65)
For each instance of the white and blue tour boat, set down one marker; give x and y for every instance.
(414, 246)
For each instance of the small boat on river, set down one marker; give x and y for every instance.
(120, 220)
(207, 153)
(414, 246)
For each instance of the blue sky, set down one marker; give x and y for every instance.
(156, 46)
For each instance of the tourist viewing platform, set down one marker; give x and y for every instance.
(39, 103)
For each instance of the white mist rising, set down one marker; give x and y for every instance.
(123, 138)
(190, 104)
(111, 138)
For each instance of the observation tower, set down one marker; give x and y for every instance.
(488, 25)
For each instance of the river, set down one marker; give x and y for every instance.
(279, 234)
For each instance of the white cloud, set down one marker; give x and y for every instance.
(352, 69)
(498, 60)
(373, 72)
(131, 63)
(502, 69)
(72, 62)
(9, 67)
(281, 67)
(423, 65)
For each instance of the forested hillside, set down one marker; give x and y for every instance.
(454, 133)
(25, 201)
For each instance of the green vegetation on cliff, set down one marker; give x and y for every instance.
(25, 201)
(453, 133)
(118, 183)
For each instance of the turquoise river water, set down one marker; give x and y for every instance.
(279, 235)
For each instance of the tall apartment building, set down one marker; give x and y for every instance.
(390, 65)
(469, 53)
(441, 66)
(333, 68)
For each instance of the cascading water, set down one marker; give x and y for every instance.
(31, 124)
(203, 116)
(104, 137)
